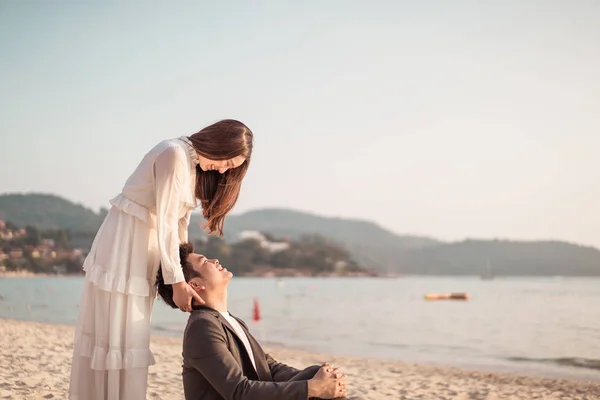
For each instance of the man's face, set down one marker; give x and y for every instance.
(212, 274)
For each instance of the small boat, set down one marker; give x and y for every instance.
(447, 296)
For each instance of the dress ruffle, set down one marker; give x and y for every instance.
(103, 358)
(132, 208)
(191, 201)
(109, 282)
(193, 155)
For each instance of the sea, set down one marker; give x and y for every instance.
(534, 326)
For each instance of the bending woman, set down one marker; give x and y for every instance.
(143, 229)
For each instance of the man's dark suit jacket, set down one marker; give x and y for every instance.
(216, 365)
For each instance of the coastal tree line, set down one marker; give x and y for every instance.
(39, 251)
(369, 245)
(307, 255)
(52, 250)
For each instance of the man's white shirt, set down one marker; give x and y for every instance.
(241, 334)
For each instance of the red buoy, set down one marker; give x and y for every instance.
(256, 311)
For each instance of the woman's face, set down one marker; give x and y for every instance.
(222, 166)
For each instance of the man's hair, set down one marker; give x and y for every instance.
(166, 291)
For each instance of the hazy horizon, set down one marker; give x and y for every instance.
(443, 120)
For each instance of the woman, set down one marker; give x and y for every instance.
(143, 228)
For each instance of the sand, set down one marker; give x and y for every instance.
(35, 363)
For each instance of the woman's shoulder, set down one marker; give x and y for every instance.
(171, 149)
(175, 145)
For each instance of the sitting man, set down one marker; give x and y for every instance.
(222, 360)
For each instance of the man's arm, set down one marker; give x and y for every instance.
(280, 371)
(205, 349)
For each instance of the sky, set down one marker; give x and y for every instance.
(447, 119)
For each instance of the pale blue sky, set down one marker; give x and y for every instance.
(446, 118)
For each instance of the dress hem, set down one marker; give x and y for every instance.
(103, 359)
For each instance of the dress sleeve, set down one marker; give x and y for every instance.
(184, 224)
(170, 168)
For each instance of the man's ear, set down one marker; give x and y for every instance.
(197, 286)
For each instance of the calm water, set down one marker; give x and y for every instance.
(548, 326)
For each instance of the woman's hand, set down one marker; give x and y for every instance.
(328, 383)
(183, 294)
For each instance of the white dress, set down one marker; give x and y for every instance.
(143, 228)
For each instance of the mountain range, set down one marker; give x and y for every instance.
(370, 244)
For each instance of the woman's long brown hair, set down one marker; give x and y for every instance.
(217, 192)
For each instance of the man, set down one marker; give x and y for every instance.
(222, 360)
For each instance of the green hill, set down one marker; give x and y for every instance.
(47, 211)
(368, 243)
(282, 222)
(503, 258)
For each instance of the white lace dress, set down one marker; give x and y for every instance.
(143, 228)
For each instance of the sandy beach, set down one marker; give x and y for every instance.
(35, 364)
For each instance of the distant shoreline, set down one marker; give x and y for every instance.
(29, 274)
(299, 274)
(271, 273)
